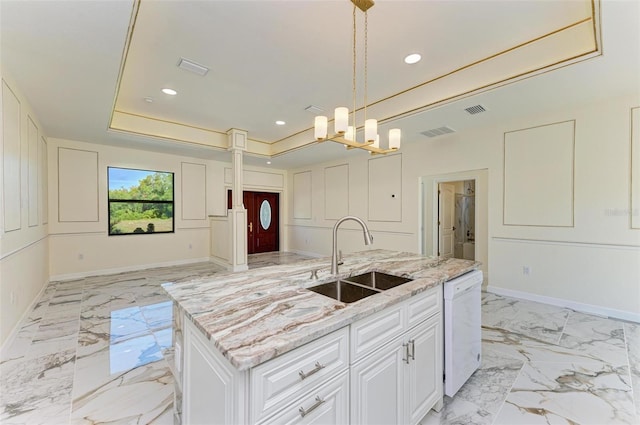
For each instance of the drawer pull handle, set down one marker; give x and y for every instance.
(406, 353)
(312, 371)
(317, 404)
(412, 342)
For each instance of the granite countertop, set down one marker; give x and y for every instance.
(254, 316)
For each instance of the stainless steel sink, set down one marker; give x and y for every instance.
(343, 291)
(355, 288)
(377, 280)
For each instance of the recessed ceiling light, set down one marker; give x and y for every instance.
(148, 99)
(412, 58)
(171, 92)
(280, 122)
(268, 162)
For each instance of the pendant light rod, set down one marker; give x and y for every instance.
(345, 133)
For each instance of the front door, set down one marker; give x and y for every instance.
(263, 230)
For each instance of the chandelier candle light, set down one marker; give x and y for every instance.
(345, 133)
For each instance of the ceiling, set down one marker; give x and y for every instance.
(86, 67)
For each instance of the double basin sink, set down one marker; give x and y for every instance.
(355, 288)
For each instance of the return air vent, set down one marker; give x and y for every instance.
(314, 109)
(435, 132)
(477, 109)
(191, 66)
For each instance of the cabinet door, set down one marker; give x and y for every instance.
(424, 371)
(377, 387)
(212, 388)
(328, 405)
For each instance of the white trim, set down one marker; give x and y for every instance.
(25, 315)
(15, 251)
(80, 275)
(307, 253)
(567, 243)
(219, 261)
(573, 305)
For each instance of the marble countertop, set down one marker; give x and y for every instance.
(256, 315)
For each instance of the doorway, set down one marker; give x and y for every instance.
(263, 220)
(456, 219)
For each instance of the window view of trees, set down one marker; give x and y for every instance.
(140, 201)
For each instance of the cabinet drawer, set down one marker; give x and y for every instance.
(424, 305)
(328, 404)
(375, 331)
(285, 378)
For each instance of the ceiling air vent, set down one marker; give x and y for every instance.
(472, 110)
(191, 66)
(314, 109)
(435, 132)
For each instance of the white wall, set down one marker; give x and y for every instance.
(23, 209)
(593, 264)
(80, 244)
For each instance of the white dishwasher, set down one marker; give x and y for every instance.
(462, 335)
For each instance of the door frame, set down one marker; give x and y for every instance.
(282, 245)
(428, 206)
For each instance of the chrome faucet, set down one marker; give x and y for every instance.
(368, 239)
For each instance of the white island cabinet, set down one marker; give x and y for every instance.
(384, 368)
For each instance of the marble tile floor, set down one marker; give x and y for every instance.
(95, 350)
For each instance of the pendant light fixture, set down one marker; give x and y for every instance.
(345, 132)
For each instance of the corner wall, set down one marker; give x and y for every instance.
(24, 251)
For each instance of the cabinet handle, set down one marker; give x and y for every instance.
(316, 369)
(412, 342)
(406, 353)
(317, 404)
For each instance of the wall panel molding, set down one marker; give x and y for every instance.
(33, 172)
(43, 187)
(538, 179)
(635, 168)
(12, 173)
(385, 188)
(78, 189)
(336, 191)
(193, 184)
(302, 195)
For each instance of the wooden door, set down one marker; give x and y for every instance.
(263, 218)
(446, 219)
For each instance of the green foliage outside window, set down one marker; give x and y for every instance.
(140, 201)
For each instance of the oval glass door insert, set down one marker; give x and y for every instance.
(265, 214)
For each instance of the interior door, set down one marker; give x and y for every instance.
(263, 218)
(446, 219)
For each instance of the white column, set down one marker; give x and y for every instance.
(237, 213)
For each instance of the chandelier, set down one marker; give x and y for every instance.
(344, 132)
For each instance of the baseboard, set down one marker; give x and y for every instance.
(573, 305)
(14, 332)
(307, 253)
(116, 270)
(220, 262)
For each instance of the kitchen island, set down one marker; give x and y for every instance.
(258, 347)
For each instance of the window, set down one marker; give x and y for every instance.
(140, 201)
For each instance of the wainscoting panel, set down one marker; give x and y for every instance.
(194, 190)
(11, 154)
(336, 191)
(302, 195)
(539, 175)
(77, 185)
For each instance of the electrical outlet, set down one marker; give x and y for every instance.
(80, 256)
(526, 270)
(190, 246)
(12, 298)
